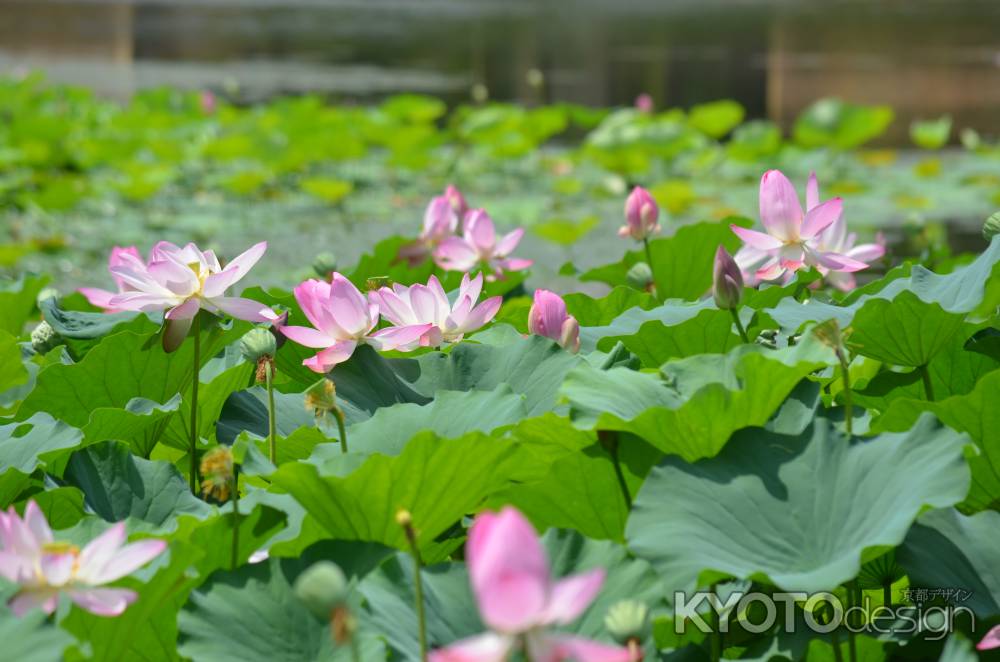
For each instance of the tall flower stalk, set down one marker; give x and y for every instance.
(405, 520)
(195, 375)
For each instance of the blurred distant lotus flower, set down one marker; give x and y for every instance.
(479, 245)
(424, 312)
(644, 103)
(641, 215)
(727, 281)
(441, 220)
(343, 319)
(457, 200)
(519, 601)
(793, 240)
(991, 640)
(548, 318)
(183, 281)
(207, 102)
(102, 298)
(44, 567)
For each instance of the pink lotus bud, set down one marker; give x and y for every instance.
(641, 214)
(457, 200)
(548, 318)
(727, 281)
(644, 103)
(206, 100)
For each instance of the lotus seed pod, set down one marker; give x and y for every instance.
(640, 276)
(46, 294)
(992, 226)
(627, 619)
(325, 264)
(321, 588)
(258, 343)
(44, 338)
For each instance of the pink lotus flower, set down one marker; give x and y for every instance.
(427, 307)
(641, 215)
(991, 640)
(518, 600)
(206, 102)
(183, 281)
(478, 245)
(102, 298)
(343, 319)
(793, 239)
(44, 568)
(548, 318)
(834, 239)
(457, 200)
(644, 103)
(440, 221)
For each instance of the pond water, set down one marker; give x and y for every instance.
(923, 57)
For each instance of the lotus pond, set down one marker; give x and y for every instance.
(315, 382)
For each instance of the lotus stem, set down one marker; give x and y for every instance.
(338, 413)
(196, 369)
(609, 440)
(405, 520)
(845, 374)
(236, 516)
(739, 325)
(925, 375)
(272, 421)
(649, 259)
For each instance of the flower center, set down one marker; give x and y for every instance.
(59, 548)
(202, 275)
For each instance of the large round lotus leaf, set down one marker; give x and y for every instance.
(795, 511)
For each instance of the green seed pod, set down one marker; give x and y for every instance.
(325, 264)
(640, 276)
(627, 619)
(322, 588)
(44, 338)
(257, 343)
(992, 226)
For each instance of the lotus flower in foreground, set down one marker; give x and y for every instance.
(479, 245)
(343, 319)
(518, 599)
(102, 298)
(427, 308)
(183, 281)
(44, 568)
(548, 318)
(991, 640)
(793, 239)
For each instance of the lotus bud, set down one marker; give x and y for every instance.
(569, 337)
(992, 226)
(628, 620)
(217, 473)
(322, 587)
(641, 214)
(727, 281)
(325, 264)
(207, 103)
(640, 276)
(644, 103)
(44, 338)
